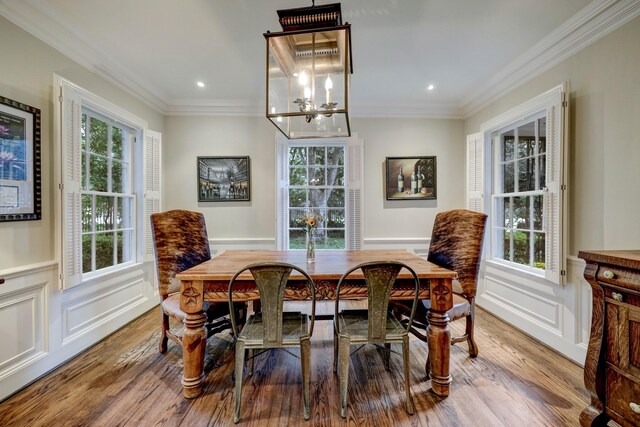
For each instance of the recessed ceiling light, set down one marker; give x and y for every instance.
(200, 84)
(431, 87)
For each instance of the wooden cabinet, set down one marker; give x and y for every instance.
(612, 366)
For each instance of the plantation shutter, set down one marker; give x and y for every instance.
(355, 152)
(152, 153)
(555, 191)
(475, 175)
(282, 193)
(71, 176)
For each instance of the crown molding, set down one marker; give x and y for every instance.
(214, 107)
(422, 111)
(596, 20)
(44, 23)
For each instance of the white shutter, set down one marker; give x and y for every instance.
(355, 172)
(554, 196)
(282, 193)
(152, 153)
(475, 175)
(71, 177)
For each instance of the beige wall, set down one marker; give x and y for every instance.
(26, 75)
(186, 138)
(604, 159)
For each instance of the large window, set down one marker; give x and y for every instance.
(317, 184)
(108, 199)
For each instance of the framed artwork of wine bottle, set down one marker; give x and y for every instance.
(411, 178)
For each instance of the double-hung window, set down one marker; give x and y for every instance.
(323, 178)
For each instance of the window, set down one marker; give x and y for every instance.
(109, 181)
(525, 175)
(323, 177)
(108, 200)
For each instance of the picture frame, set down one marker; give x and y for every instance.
(20, 161)
(224, 179)
(422, 168)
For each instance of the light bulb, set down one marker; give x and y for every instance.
(328, 84)
(303, 79)
(307, 92)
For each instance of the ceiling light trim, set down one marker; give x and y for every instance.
(596, 20)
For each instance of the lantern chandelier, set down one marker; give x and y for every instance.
(309, 68)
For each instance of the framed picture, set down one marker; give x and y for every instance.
(224, 179)
(20, 187)
(411, 178)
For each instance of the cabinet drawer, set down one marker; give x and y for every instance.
(623, 395)
(619, 276)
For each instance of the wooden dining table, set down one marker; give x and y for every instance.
(209, 281)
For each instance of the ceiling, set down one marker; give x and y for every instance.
(471, 50)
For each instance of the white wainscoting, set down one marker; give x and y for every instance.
(558, 316)
(43, 327)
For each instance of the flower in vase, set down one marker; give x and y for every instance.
(311, 221)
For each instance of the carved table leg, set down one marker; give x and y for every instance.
(594, 373)
(440, 336)
(194, 340)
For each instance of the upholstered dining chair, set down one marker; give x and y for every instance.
(273, 327)
(181, 242)
(373, 325)
(456, 243)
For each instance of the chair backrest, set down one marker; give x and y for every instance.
(180, 242)
(379, 277)
(271, 279)
(456, 244)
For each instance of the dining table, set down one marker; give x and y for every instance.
(209, 282)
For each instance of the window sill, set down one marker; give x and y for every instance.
(524, 272)
(110, 273)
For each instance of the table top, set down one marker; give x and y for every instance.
(624, 258)
(329, 265)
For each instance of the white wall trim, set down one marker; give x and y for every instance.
(593, 22)
(24, 270)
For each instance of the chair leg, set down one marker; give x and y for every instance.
(239, 372)
(387, 356)
(427, 366)
(335, 350)
(305, 359)
(471, 340)
(251, 360)
(343, 349)
(407, 373)
(163, 336)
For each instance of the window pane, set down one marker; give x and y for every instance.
(506, 212)
(104, 250)
(507, 146)
(320, 236)
(83, 172)
(335, 176)
(297, 197)
(335, 156)
(86, 252)
(521, 247)
(297, 176)
(538, 212)
(87, 213)
(542, 132)
(521, 212)
(317, 156)
(335, 239)
(83, 132)
(124, 212)
(124, 244)
(316, 175)
(104, 213)
(505, 236)
(336, 198)
(542, 167)
(508, 183)
(98, 173)
(316, 199)
(117, 147)
(295, 218)
(526, 140)
(298, 156)
(119, 177)
(335, 218)
(539, 250)
(297, 239)
(526, 175)
(98, 142)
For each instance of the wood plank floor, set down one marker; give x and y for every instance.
(124, 381)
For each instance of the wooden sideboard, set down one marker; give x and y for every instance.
(612, 366)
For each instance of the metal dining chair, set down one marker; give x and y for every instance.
(374, 325)
(273, 327)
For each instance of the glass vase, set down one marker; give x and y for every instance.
(311, 247)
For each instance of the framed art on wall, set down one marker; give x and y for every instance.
(20, 187)
(224, 179)
(411, 178)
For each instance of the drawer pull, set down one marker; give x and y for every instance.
(616, 296)
(608, 274)
(634, 407)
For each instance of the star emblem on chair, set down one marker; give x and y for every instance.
(192, 295)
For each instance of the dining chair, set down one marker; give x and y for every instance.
(272, 327)
(456, 244)
(374, 325)
(180, 242)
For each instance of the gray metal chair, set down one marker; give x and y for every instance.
(374, 325)
(273, 328)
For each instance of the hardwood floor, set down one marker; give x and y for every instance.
(124, 381)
